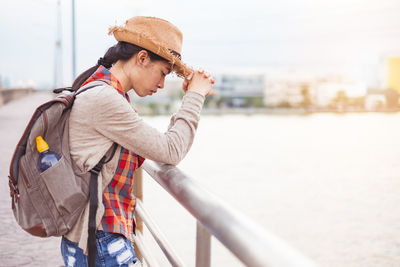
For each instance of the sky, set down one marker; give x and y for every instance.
(351, 37)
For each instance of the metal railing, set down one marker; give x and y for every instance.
(7, 95)
(250, 243)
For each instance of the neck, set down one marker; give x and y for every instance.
(118, 71)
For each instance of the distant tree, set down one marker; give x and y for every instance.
(154, 108)
(305, 92)
(209, 100)
(256, 102)
(168, 107)
(284, 104)
(341, 100)
(220, 102)
(358, 102)
(392, 98)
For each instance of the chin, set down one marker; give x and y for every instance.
(141, 94)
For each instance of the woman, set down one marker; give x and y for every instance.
(148, 49)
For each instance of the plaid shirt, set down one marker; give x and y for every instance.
(118, 198)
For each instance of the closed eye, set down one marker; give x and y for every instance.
(168, 71)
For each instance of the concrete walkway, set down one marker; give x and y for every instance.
(17, 248)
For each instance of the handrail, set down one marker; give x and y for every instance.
(158, 236)
(251, 244)
(7, 95)
(144, 251)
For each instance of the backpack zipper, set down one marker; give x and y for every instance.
(46, 122)
(24, 179)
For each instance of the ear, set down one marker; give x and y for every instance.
(142, 57)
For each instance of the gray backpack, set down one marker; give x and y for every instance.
(49, 203)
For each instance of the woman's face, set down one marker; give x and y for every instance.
(150, 76)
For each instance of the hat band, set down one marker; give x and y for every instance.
(173, 52)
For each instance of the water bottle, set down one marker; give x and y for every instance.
(47, 158)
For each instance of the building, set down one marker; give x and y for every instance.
(392, 80)
(289, 89)
(375, 100)
(329, 89)
(307, 89)
(240, 90)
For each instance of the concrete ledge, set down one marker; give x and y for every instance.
(7, 95)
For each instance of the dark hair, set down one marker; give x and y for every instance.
(120, 51)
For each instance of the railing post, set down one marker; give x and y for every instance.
(203, 246)
(138, 191)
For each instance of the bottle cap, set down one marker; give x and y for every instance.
(41, 145)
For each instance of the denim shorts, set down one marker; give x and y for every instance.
(112, 250)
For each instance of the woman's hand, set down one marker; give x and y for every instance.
(200, 82)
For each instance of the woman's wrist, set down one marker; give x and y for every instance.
(196, 94)
(198, 91)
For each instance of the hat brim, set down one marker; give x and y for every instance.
(144, 41)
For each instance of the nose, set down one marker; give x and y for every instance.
(161, 83)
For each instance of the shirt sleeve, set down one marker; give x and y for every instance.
(116, 119)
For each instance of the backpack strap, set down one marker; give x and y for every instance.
(93, 183)
(88, 86)
(81, 90)
(60, 90)
(93, 203)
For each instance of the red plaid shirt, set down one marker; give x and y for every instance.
(118, 198)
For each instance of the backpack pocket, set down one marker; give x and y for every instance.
(65, 188)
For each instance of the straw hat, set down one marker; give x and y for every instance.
(157, 35)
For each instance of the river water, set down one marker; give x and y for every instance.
(328, 184)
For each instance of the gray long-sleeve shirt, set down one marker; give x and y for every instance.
(101, 116)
